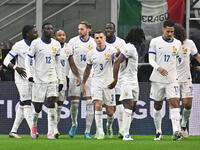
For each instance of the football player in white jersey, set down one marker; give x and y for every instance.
(100, 59)
(20, 50)
(81, 45)
(47, 76)
(184, 75)
(67, 62)
(163, 51)
(128, 77)
(118, 43)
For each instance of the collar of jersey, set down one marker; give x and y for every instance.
(45, 42)
(101, 50)
(168, 41)
(26, 43)
(112, 41)
(86, 40)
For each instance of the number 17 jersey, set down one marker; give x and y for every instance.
(165, 56)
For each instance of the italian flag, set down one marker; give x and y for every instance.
(149, 15)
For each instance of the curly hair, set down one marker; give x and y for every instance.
(179, 33)
(135, 36)
(26, 29)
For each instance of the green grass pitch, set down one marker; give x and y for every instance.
(141, 142)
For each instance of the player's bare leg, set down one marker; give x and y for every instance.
(110, 118)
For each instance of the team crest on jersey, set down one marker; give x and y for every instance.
(185, 50)
(174, 49)
(53, 49)
(90, 47)
(106, 55)
(23, 95)
(67, 53)
(118, 50)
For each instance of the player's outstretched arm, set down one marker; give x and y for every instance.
(115, 71)
(85, 77)
(74, 70)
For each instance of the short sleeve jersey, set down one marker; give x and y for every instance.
(80, 49)
(183, 67)
(65, 53)
(45, 55)
(20, 50)
(102, 63)
(166, 54)
(128, 75)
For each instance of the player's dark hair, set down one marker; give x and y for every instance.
(57, 29)
(26, 29)
(98, 32)
(85, 23)
(179, 33)
(135, 36)
(168, 23)
(46, 24)
(111, 24)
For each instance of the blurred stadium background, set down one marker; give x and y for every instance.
(149, 14)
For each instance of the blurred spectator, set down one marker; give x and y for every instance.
(5, 73)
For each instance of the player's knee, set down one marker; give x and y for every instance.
(188, 106)
(38, 107)
(157, 106)
(51, 102)
(27, 102)
(60, 103)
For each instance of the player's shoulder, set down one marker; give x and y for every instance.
(177, 41)
(38, 40)
(188, 41)
(74, 38)
(156, 39)
(110, 47)
(120, 40)
(130, 47)
(19, 43)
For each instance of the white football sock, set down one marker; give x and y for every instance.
(127, 120)
(18, 118)
(74, 111)
(89, 115)
(35, 118)
(99, 121)
(185, 117)
(119, 113)
(109, 121)
(51, 120)
(175, 118)
(28, 115)
(157, 117)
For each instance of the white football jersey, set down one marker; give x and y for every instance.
(119, 44)
(80, 49)
(65, 53)
(183, 67)
(19, 49)
(47, 61)
(128, 75)
(165, 56)
(102, 61)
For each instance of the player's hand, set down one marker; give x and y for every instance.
(162, 71)
(21, 72)
(31, 79)
(60, 87)
(197, 68)
(113, 84)
(83, 90)
(78, 81)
